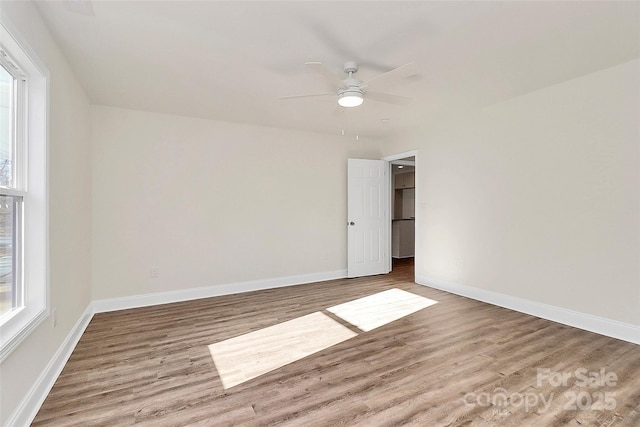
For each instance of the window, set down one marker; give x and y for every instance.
(23, 190)
(11, 190)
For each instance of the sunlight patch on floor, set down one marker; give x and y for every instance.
(248, 356)
(379, 309)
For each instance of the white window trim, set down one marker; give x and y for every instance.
(18, 325)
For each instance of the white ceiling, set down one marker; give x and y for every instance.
(232, 60)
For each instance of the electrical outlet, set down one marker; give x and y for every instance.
(54, 317)
(155, 272)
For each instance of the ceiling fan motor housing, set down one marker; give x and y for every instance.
(350, 91)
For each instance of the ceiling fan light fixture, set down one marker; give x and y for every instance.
(350, 98)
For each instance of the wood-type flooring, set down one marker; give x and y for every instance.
(459, 362)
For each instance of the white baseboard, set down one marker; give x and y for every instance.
(599, 325)
(145, 300)
(24, 414)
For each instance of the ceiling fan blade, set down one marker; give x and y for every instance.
(339, 46)
(331, 77)
(388, 98)
(312, 95)
(397, 73)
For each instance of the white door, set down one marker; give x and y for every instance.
(368, 217)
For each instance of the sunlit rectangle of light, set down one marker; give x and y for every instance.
(248, 356)
(375, 310)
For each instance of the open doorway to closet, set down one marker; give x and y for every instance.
(403, 211)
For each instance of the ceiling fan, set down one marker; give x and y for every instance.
(351, 91)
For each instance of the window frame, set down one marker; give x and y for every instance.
(31, 183)
(16, 190)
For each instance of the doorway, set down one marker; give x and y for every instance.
(403, 211)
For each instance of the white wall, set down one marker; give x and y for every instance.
(212, 203)
(69, 212)
(538, 197)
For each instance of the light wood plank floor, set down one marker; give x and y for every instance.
(441, 366)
